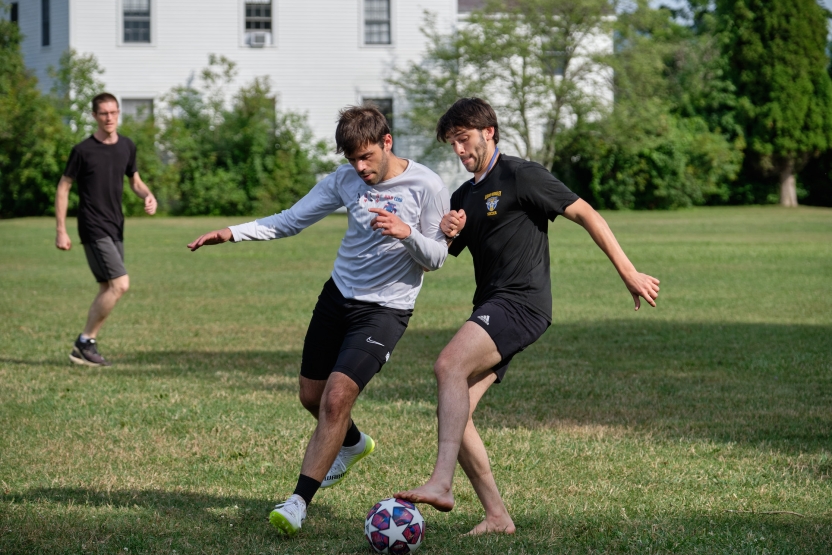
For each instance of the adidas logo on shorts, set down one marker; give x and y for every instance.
(484, 318)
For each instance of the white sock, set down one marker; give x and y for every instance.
(85, 338)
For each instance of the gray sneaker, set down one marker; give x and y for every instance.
(87, 353)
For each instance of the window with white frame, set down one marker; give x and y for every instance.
(136, 21)
(377, 22)
(258, 22)
(137, 108)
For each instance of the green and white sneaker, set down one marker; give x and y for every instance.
(288, 516)
(347, 457)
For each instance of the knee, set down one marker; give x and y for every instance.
(120, 286)
(443, 368)
(335, 406)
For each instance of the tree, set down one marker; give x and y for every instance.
(670, 140)
(75, 84)
(239, 157)
(777, 60)
(535, 61)
(34, 143)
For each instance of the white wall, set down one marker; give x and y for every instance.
(317, 63)
(40, 58)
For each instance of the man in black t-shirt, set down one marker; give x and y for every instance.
(501, 216)
(99, 165)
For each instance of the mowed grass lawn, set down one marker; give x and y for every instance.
(700, 426)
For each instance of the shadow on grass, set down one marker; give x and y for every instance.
(74, 520)
(758, 384)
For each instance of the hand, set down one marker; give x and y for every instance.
(150, 204)
(389, 224)
(62, 241)
(642, 285)
(452, 223)
(212, 238)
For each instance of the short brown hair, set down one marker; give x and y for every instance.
(467, 113)
(103, 97)
(359, 126)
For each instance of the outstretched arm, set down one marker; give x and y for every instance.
(62, 240)
(639, 285)
(143, 192)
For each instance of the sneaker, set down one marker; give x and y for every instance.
(87, 353)
(288, 516)
(347, 457)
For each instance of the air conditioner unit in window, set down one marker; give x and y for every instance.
(259, 40)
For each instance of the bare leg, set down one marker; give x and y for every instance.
(311, 392)
(337, 400)
(108, 295)
(470, 352)
(474, 461)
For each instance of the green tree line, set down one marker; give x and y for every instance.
(201, 155)
(717, 102)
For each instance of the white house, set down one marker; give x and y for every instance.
(320, 55)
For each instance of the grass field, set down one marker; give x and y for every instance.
(701, 426)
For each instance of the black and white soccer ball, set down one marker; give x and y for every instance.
(394, 526)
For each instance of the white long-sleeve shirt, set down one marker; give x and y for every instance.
(371, 267)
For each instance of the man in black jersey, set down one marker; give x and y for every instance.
(99, 164)
(501, 216)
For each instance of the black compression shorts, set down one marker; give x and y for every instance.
(511, 326)
(352, 337)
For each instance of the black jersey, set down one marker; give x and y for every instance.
(506, 226)
(99, 170)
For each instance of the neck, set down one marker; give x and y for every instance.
(396, 167)
(489, 154)
(106, 138)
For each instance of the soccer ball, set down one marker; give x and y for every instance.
(394, 526)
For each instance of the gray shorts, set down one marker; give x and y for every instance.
(106, 259)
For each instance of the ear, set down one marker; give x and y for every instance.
(488, 133)
(388, 143)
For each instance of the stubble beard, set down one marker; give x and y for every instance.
(383, 166)
(479, 155)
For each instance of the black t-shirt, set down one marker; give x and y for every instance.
(99, 170)
(506, 228)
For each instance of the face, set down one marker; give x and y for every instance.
(471, 145)
(107, 116)
(371, 161)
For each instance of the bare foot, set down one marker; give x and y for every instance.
(437, 497)
(493, 526)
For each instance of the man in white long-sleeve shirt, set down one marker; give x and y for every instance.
(394, 208)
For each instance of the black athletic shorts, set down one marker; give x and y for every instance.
(348, 336)
(106, 259)
(511, 326)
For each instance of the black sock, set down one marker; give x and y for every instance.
(353, 435)
(307, 488)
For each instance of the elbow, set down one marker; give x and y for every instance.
(436, 264)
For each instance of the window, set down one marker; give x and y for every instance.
(44, 22)
(259, 16)
(136, 20)
(385, 105)
(13, 14)
(138, 108)
(377, 22)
